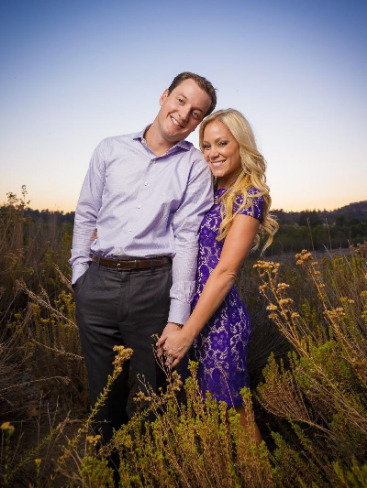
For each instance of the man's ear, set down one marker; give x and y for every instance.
(163, 97)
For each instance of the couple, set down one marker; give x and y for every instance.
(146, 213)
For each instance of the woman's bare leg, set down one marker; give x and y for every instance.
(247, 420)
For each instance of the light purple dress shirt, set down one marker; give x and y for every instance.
(134, 204)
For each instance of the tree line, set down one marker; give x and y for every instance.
(308, 229)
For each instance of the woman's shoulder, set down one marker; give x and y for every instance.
(254, 204)
(252, 195)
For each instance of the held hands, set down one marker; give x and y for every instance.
(161, 351)
(173, 344)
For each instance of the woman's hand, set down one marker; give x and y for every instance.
(175, 344)
(170, 327)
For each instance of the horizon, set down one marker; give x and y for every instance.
(29, 207)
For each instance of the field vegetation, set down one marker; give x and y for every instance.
(308, 368)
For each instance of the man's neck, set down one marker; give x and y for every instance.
(155, 141)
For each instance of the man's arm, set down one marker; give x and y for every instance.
(85, 223)
(236, 247)
(197, 201)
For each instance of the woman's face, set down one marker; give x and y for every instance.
(222, 153)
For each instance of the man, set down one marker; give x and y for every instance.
(135, 241)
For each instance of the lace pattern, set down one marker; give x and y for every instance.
(221, 347)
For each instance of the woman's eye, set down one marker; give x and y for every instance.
(206, 146)
(223, 143)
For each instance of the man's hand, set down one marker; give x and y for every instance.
(174, 344)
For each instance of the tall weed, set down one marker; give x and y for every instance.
(320, 390)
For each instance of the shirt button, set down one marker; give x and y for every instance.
(146, 183)
(153, 161)
(118, 251)
(129, 230)
(139, 206)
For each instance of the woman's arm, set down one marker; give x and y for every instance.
(236, 247)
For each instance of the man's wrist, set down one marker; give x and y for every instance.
(178, 325)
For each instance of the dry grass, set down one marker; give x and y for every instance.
(308, 364)
(320, 391)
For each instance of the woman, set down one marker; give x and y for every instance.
(219, 327)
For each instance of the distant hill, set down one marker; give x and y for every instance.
(356, 210)
(321, 229)
(353, 210)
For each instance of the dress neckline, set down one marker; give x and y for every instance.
(218, 192)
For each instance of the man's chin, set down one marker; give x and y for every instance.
(176, 137)
(180, 133)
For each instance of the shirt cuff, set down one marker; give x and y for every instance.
(179, 311)
(78, 271)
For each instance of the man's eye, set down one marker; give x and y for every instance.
(180, 100)
(197, 115)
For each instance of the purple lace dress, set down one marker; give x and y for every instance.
(221, 347)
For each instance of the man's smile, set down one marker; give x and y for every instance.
(176, 123)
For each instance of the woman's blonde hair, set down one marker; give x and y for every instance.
(252, 175)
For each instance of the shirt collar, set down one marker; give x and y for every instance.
(139, 136)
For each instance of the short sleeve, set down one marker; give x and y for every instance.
(255, 207)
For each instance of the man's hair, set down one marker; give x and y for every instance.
(202, 82)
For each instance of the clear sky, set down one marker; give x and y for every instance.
(76, 71)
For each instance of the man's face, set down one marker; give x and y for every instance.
(182, 110)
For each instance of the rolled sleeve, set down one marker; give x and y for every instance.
(197, 201)
(78, 271)
(85, 222)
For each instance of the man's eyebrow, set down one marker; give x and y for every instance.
(185, 97)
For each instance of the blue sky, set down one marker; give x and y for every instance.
(75, 72)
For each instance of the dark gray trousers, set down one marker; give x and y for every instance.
(126, 308)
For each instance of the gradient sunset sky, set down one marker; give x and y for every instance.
(74, 72)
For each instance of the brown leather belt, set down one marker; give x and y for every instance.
(128, 264)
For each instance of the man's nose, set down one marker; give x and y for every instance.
(185, 112)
